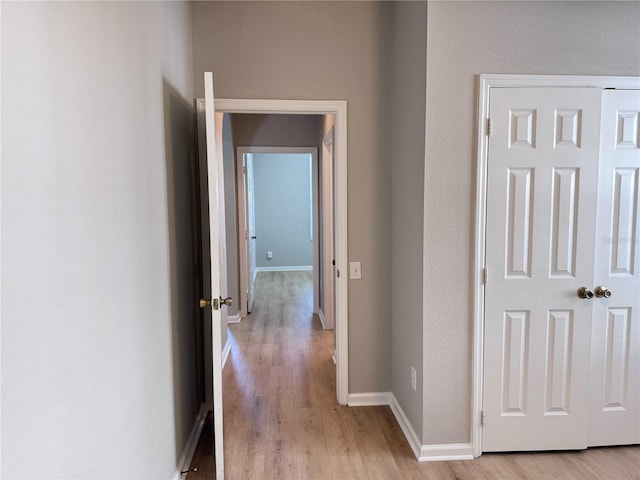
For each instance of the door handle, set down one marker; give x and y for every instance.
(584, 292)
(602, 292)
(213, 303)
(253, 237)
(216, 303)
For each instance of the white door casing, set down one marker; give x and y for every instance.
(541, 209)
(214, 208)
(614, 416)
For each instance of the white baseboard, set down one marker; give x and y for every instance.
(225, 353)
(321, 317)
(302, 268)
(424, 453)
(233, 319)
(371, 399)
(189, 449)
(405, 426)
(446, 452)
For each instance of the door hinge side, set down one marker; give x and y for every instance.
(483, 417)
(489, 126)
(485, 276)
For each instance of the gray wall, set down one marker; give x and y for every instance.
(286, 130)
(97, 277)
(282, 209)
(464, 40)
(407, 206)
(323, 50)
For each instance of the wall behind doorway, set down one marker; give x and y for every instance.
(282, 198)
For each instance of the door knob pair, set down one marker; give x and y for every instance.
(600, 292)
(216, 303)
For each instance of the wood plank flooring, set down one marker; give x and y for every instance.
(282, 420)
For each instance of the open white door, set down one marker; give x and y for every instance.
(251, 228)
(246, 230)
(215, 303)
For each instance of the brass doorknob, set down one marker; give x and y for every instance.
(584, 292)
(204, 303)
(602, 292)
(215, 303)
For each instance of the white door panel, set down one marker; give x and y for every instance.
(615, 356)
(214, 206)
(541, 212)
(251, 228)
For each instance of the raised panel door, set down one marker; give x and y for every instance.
(615, 358)
(541, 214)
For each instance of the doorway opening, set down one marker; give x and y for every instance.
(278, 228)
(332, 139)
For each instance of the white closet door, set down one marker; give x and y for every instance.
(615, 358)
(541, 213)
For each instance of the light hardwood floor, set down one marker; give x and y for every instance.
(281, 420)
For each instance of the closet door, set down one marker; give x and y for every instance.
(541, 220)
(614, 417)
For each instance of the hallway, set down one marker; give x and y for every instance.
(282, 420)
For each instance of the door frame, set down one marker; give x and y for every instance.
(338, 108)
(485, 83)
(242, 207)
(325, 199)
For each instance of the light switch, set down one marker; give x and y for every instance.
(355, 273)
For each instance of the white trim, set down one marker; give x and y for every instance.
(225, 353)
(189, 449)
(299, 268)
(339, 109)
(570, 81)
(320, 314)
(485, 83)
(370, 399)
(405, 426)
(423, 453)
(446, 452)
(233, 319)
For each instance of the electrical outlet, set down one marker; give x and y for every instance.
(269, 255)
(413, 378)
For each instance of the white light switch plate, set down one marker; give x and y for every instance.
(355, 273)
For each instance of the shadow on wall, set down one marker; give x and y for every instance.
(182, 193)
